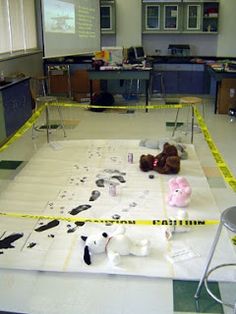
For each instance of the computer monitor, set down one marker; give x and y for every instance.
(139, 53)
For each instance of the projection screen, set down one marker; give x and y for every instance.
(70, 27)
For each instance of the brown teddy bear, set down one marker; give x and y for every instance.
(167, 162)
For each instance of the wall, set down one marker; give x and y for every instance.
(226, 38)
(129, 29)
(30, 65)
(128, 23)
(200, 45)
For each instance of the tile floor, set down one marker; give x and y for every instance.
(42, 292)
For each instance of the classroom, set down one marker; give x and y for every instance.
(117, 145)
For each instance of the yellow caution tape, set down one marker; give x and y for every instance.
(154, 222)
(27, 125)
(221, 164)
(88, 106)
(224, 169)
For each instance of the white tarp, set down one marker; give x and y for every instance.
(59, 181)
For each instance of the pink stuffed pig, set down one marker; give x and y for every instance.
(180, 192)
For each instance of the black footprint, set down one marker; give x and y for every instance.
(49, 225)
(79, 209)
(6, 243)
(94, 195)
(119, 178)
(100, 183)
(77, 224)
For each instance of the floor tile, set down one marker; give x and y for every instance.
(211, 171)
(216, 182)
(228, 294)
(184, 298)
(10, 164)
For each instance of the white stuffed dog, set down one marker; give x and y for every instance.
(114, 246)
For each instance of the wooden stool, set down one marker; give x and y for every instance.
(191, 101)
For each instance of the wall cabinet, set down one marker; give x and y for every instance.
(108, 17)
(210, 17)
(161, 16)
(195, 16)
(171, 17)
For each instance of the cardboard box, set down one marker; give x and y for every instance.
(226, 95)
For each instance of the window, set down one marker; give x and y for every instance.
(152, 17)
(17, 25)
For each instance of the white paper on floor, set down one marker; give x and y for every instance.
(73, 181)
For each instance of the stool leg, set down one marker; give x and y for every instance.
(44, 88)
(203, 111)
(138, 86)
(47, 122)
(212, 250)
(61, 119)
(175, 126)
(192, 126)
(163, 90)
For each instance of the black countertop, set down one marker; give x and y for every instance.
(151, 58)
(8, 82)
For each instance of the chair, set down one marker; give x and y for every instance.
(39, 94)
(191, 101)
(227, 220)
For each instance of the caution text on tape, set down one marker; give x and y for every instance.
(153, 222)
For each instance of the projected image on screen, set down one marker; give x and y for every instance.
(60, 17)
(70, 27)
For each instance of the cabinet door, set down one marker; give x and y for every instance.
(107, 17)
(2, 121)
(152, 17)
(210, 17)
(171, 17)
(193, 17)
(17, 104)
(171, 82)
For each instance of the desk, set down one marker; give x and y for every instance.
(218, 76)
(134, 74)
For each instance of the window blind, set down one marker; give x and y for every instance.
(17, 25)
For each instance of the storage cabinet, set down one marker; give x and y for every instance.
(195, 16)
(161, 16)
(210, 17)
(15, 106)
(59, 79)
(152, 17)
(171, 17)
(108, 17)
(182, 78)
(70, 80)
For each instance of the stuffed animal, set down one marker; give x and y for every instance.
(159, 144)
(167, 162)
(179, 192)
(171, 230)
(114, 246)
